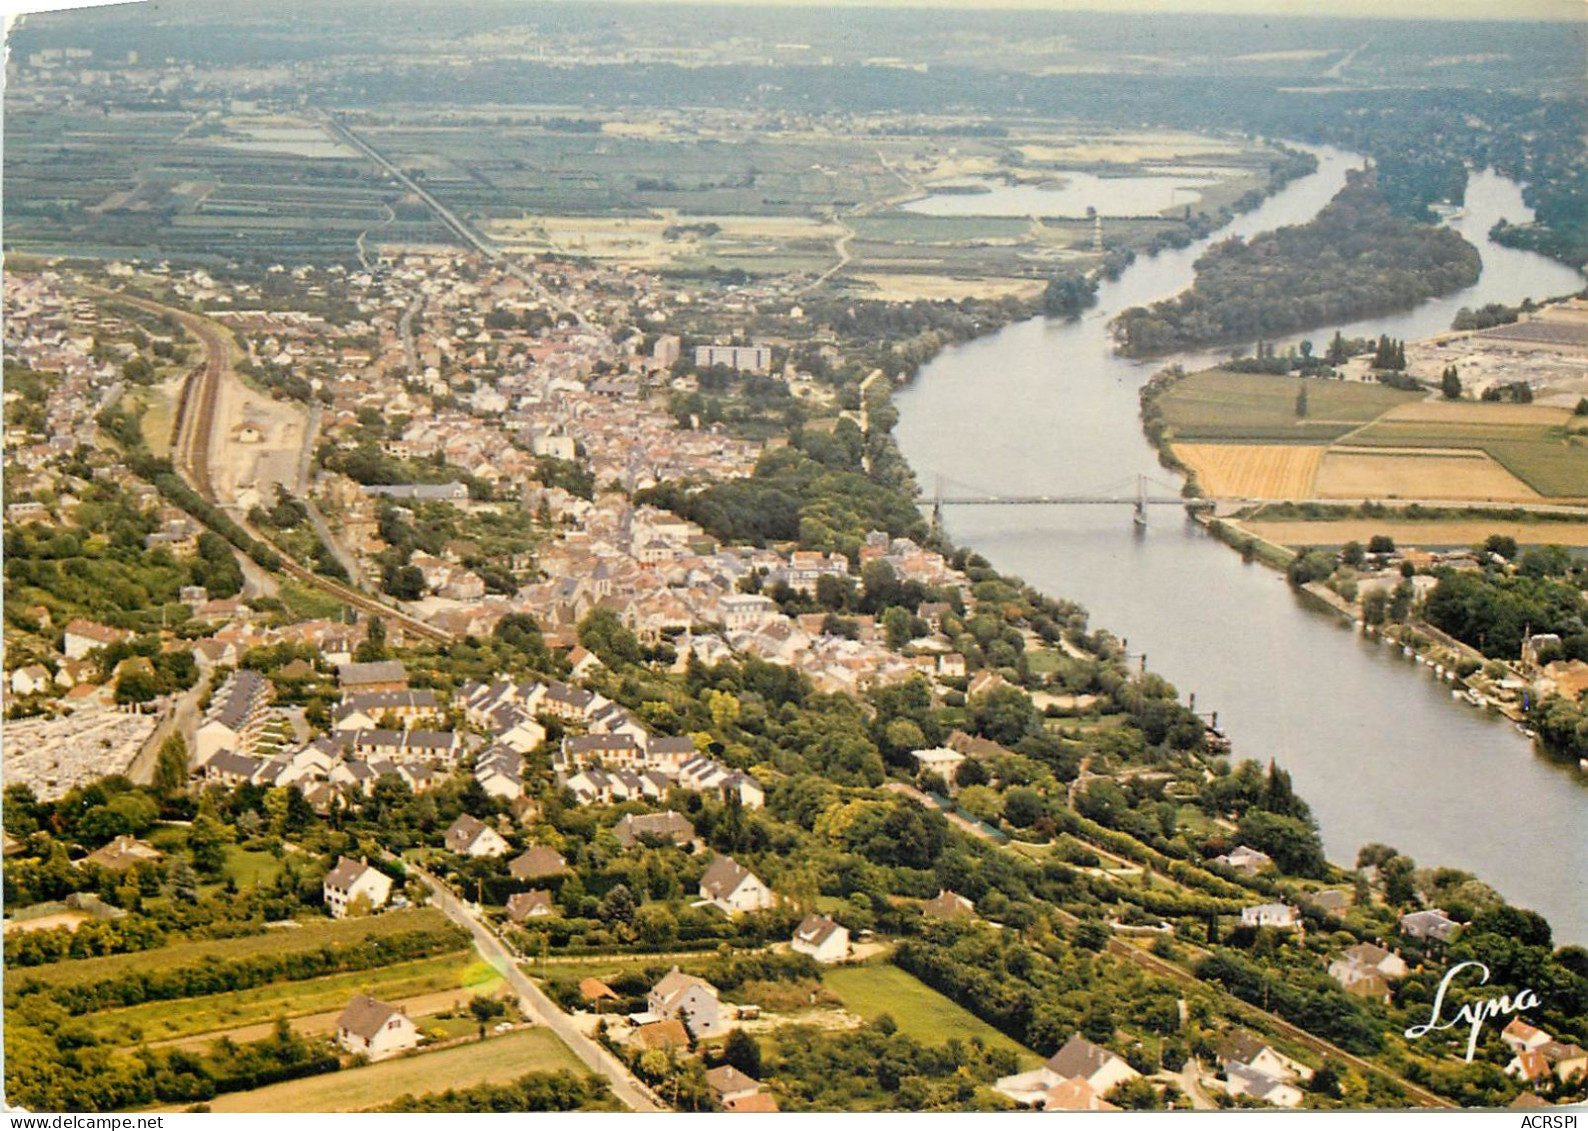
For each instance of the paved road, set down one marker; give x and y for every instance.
(536, 1005)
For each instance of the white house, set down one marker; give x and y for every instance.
(1247, 861)
(31, 679)
(821, 938)
(1279, 915)
(375, 1030)
(1430, 924)
(1522, 1037)
(1244, 1080)
(83, 637)
(470, 836)
(1079, 1059)
(692, 1000)
(352, 880)
(734, 888)
(1244, 1048)
(939, 760)
(1363, 970)
(746, 611)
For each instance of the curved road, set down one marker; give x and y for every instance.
(536, 1005)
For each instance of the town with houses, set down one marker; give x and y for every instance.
(574, 395)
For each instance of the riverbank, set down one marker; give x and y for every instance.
(1048, 408)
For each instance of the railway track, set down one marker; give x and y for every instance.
(1317, 1044)
(192, 434)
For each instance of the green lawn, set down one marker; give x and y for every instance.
(251, 869)
(309, 603)
(496, 1061)
(313, 934)
(919, 1011)
(163, 1020)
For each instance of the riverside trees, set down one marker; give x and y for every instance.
(1355, 258)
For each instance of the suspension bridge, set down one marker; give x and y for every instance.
(1135, 493)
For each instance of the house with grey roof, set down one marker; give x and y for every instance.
(375, 1029)
(537, 862)
(735, 889)
(352, 881)
(378, 675)
(821, 938)
(470, 836)
(1430, 924)
(689, 999)
(536, 904)
(661, 828)
(1079, 1059)
(236, 715)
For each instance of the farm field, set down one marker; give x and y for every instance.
(310, 936)
(420, 1007)
(909, 288)
(1416, 473)
(1256, 407)
(494, 1061)
(920, 1011)
(1254, 471)
(1128, 147)
(166, 1020)
(1379, 442)
(1432, 534)
(658, 241)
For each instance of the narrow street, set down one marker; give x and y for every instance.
(536, 1005)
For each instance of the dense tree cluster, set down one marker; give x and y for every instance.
(1355, 258)
(536, 1091)
(1493, 612)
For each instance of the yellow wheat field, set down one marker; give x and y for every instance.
(1416, 474)
(1253, 471)
(1464, 532)
(1479, 412)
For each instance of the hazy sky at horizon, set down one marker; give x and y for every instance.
(1501, 10)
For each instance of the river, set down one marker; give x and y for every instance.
(1373, 742)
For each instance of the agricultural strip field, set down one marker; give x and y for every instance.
(927, 287)
(1254, 471)
(919, 1011)
(1431, 534)
(1381, 442)
(165, 1020)
(495, 1061)
(308, 937)
(1427, 473)
(1255, 407)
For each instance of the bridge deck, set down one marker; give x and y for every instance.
(1055, 501)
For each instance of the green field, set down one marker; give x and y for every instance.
(1551, 467)
(608, 967)
(911, 228)
(312, 935)
(1258, 408)
(1541, 455)
(164, 1020)
(496, 1061)
(919, 1011)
